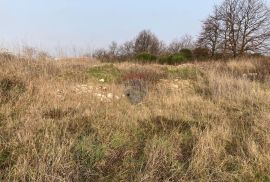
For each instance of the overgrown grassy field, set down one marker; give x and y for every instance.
(69, 121)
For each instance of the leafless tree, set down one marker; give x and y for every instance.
(210, 36)
(100, 54)
(255, 26)
(146, 41)
(185, 42)
(126, 50)
(113, 49)
(238, 27)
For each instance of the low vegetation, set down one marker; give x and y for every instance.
(108, 72)
(205, 121)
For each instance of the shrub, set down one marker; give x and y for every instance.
(4, 158)
(187, 53)
(178, 59)
(146, 57)
(201, 53)
(219, 56)
(172, 59)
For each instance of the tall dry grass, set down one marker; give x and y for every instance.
(202, 122)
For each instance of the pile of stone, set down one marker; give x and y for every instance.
(100, 92)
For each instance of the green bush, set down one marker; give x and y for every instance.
(178, 58)
(172, 59)
(146, 57)
(183, 56)
(187, 53)
(4, 157)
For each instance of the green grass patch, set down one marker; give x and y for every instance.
(89, 151)
(185, 73)
(107, 72)
(89, 154)
(4, 157)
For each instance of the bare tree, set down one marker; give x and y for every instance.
(229, 13)
(255, 27)
(238, 27)
(126, 50)
(210, 36)
(100, 54)
(185, 42)
(113, 49)
(163, 49)
(146, 41)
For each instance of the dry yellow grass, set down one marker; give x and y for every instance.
(203, 122)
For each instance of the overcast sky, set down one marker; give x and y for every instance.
(89, 24)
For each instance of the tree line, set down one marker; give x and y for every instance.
(235, 28)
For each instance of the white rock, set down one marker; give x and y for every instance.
(174, 86)
(102, 80)
(103, 96)
(90, 87)
(97, 95)
(110, 95)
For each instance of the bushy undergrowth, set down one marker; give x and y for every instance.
(212, 125)
(146, 57)
(172, 59)
(184, 56)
